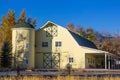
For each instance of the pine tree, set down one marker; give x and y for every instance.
(91, 35)
(6, 58)
(81, 32)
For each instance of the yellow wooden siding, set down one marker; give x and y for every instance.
(69, 48)
(30, 35)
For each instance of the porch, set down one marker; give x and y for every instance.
(101, 61)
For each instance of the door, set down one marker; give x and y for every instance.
(51, 60)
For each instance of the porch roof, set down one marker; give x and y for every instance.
(101, 54)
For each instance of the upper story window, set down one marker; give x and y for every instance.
(58, 43)
(44, 44)
(70, 59)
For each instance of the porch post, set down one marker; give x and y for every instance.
(85, 61)
(105, 61)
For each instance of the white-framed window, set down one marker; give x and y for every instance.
(44, 44)
(58, 43)
(71, 59)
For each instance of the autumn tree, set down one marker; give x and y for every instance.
(8, 23)
(116, 44)
(86, 33)
(103, 40)
(81, 31)
(107, 42)
(71, 27)
(5, 30)
(22, 17)
(11, 18)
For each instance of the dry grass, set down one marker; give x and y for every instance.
(58, 78)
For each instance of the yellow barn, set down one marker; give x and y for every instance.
(55, 47)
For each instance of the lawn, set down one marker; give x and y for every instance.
(59, 78)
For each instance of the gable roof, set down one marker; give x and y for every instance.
(79, 39)
(82, 41)
(47, 25)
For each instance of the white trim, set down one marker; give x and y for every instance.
(105, 61)
(100, 51)
(46, 24)
(85, 61)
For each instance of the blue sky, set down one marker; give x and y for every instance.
(101, 15)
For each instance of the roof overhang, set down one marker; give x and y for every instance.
(47, 25)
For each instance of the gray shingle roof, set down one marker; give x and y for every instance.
(82, 41)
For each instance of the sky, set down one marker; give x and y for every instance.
(101, 15)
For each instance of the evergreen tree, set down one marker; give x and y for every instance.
(86, 33)
(81, 32)
(91, 35)
(6, 58)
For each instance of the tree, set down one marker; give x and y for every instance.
(22, 17)
(6, 58)
(11, 18)
(71, 27)
(81, 31)
(33, 23)
(103, 40)
(8, 23)
(107, 42)
(91, 35)
(86, 33)
(29, 20)
(6, 28)
(116, 43)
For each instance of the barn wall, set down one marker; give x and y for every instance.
(69, 48)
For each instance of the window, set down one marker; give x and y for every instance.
(91, 60)
(88, 60)
(70, 59)
(44, 44)
(58, 43)
(27, 45)
(26, 61)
